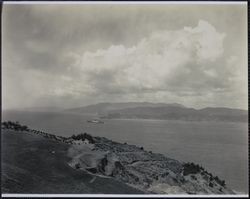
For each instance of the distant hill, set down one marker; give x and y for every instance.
(146, 110)
(38, 109)
(179, 113)
(105, 108)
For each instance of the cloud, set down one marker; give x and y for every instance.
(78, 55)
(164, 61)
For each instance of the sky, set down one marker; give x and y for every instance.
(75, 55)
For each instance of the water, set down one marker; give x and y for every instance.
(221, 147)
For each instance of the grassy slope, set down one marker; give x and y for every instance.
(28, 166)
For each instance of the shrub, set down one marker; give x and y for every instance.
(77, 166)
(219, 181)
(83, 137)
(24, 128)
(15, 126)
(191, 168)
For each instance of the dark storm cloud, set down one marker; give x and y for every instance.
(79, 54)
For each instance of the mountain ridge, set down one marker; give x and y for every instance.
(174, 111)
(106, 106)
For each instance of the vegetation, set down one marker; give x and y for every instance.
(14, 126)
(83, 137)
(191, 168)
(219, 181)
(18, 127)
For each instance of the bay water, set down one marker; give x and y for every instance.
(220, 147)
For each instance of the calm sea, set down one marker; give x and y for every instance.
(220, 147)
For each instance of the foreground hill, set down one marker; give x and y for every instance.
(38, 162)
(34, 164)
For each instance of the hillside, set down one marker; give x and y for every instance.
(105, 108)
(32, 163)
(162, 111)
(179, 113)
(39, 162)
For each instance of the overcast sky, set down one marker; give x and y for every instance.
(75, 55)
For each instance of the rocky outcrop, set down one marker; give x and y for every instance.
(147, 171)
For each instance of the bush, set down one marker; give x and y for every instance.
(191, 168)
(219, 181)
(24, 128)
(83, 137)
(15, 126)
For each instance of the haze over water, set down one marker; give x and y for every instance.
(221, 147)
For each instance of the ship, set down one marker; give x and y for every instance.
(95, 121)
